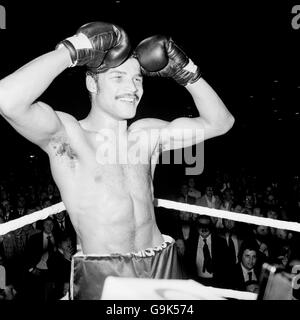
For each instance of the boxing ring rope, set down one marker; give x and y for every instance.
(240, 217)
(246, 218)
(31, 218)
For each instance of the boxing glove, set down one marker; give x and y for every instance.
(98, 45)
(160, 56)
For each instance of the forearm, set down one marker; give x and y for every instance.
(21, 88)
(210, 106)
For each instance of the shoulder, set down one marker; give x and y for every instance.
(150, 130)
(66, 118)
(148, 124)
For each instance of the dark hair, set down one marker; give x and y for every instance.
(94, 75)
(248, 244)
(48, 219)
(208, 225)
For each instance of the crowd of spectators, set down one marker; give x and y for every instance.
(36, 258)
(229, 254)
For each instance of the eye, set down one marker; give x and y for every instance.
(116, 77)
(139, 79)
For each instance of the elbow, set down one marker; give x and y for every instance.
(226, 124)
(3, 109)
(6, 110)
(9, 109)
(229, 122)
(5, 104)
(9, 104)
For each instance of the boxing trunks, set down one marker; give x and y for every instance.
(90, 271)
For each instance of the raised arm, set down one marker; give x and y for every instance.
(18, 92)
(160, 56)
(97, 45)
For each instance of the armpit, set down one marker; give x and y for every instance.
(61, 147)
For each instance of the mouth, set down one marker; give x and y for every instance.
(131, 99)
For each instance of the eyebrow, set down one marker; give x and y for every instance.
(111, 72)
(116, 72)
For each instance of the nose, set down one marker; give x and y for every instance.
(131, 86)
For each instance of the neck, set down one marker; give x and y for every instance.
(98, 120)
(247, 269)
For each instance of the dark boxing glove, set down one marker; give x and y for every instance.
(160, 56)
(98, 45)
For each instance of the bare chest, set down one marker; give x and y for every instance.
(98, 160)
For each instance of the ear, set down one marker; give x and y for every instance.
(91, 84)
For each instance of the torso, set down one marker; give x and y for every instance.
(110, 205)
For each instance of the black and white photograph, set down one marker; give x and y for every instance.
(149, 151)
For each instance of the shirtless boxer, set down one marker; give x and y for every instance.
(110, 204)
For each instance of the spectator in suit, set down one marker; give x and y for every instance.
(59, 266)
(233, 240)
(261, 236)
(209, 200)
(227, 199)
(40, 247)
(20, 209)
(63, 228)
(14, 244)
(7, 292)
(8, 210)
(50, 191)
(185, 230)
(282, 247)
(184, 195)
(193, 192)
(31, 228)
(248, 268)
(206, 255)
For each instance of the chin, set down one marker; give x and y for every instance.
(129, 115)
